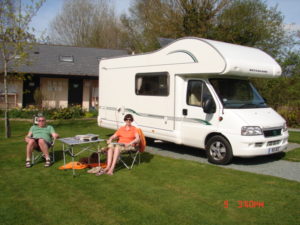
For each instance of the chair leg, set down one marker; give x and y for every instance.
(135, 157)
(137, 154)
(124, 163)
(32, 158)
(35, 158)
(53, 154)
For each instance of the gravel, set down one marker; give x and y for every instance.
(268, 165)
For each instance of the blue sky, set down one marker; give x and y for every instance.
(289, 8)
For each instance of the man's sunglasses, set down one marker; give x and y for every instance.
(128, 119)
(41, 120)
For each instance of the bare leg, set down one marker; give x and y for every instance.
(44, 148)
(109, 159)
(31, 144)
(115, 159)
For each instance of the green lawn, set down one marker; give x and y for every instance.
(293, 155)
(159, 191)
(294, 137)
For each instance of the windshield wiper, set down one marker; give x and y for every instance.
(249, 105)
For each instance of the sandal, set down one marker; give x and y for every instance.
(47, 163)
(101, 172)
(28, 164)
(95, 170)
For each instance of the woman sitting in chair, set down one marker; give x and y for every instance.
(128, 139)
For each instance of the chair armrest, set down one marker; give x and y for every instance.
(53, 141)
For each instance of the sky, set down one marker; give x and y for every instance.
(289, 8)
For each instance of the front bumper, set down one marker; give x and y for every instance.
(250, 146)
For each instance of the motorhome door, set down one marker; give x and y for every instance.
(195, 122)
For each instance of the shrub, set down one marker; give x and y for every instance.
(28, 112)
(291, 115)
(60, 113)
(90, 114)
(68, 113)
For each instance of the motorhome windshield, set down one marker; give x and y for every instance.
(235, 93)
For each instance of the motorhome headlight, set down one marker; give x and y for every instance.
(284, 128)
(251, 131)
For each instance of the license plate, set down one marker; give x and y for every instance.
(272, 150)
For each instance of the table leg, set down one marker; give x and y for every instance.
(64, 154)
(99, 155)
(72, 155)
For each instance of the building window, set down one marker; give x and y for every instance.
(153, 84)
(66, 58)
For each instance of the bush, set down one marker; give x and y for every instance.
(291, 115)
(27, 113)
(68, 113)
(60, 113)
(92, 113)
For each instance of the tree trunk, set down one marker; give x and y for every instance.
(7, 125)
(6, 114)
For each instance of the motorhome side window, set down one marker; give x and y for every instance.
(197, 93)
(155, 84)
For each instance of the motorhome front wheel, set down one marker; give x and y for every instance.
(218, 150)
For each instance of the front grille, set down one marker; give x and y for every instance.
(272, 133)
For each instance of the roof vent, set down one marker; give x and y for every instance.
(66, 58)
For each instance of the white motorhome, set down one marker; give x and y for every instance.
(195, 92)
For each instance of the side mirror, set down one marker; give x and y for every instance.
(209, 106)
(265, 100)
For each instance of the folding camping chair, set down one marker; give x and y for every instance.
(133, 155)
(37, 154)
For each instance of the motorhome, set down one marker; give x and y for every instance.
(195, 92)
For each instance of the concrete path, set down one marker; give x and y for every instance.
(268, 165)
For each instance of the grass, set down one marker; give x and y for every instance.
(159, 191)
(294, 137)
(293, 155)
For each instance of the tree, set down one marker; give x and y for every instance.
(15, 40)
(283, 93)
(87, 23)
(246, 22)
(251, 23)
(148, 20)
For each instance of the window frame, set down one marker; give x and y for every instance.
(188, 92)
(166, 75)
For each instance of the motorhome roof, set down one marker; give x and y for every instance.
(203, 56)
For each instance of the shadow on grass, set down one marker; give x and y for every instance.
(58, 154)
(144, 157)
(197, 152)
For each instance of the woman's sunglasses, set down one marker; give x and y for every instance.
(127, 119)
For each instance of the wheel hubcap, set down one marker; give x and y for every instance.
(217, 150)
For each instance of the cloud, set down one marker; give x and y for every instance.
(292, 27)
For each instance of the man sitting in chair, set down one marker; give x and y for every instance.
(128, 138)
(40, 136)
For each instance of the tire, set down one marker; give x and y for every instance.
(218, 150)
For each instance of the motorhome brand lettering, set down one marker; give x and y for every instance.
(258, 71)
